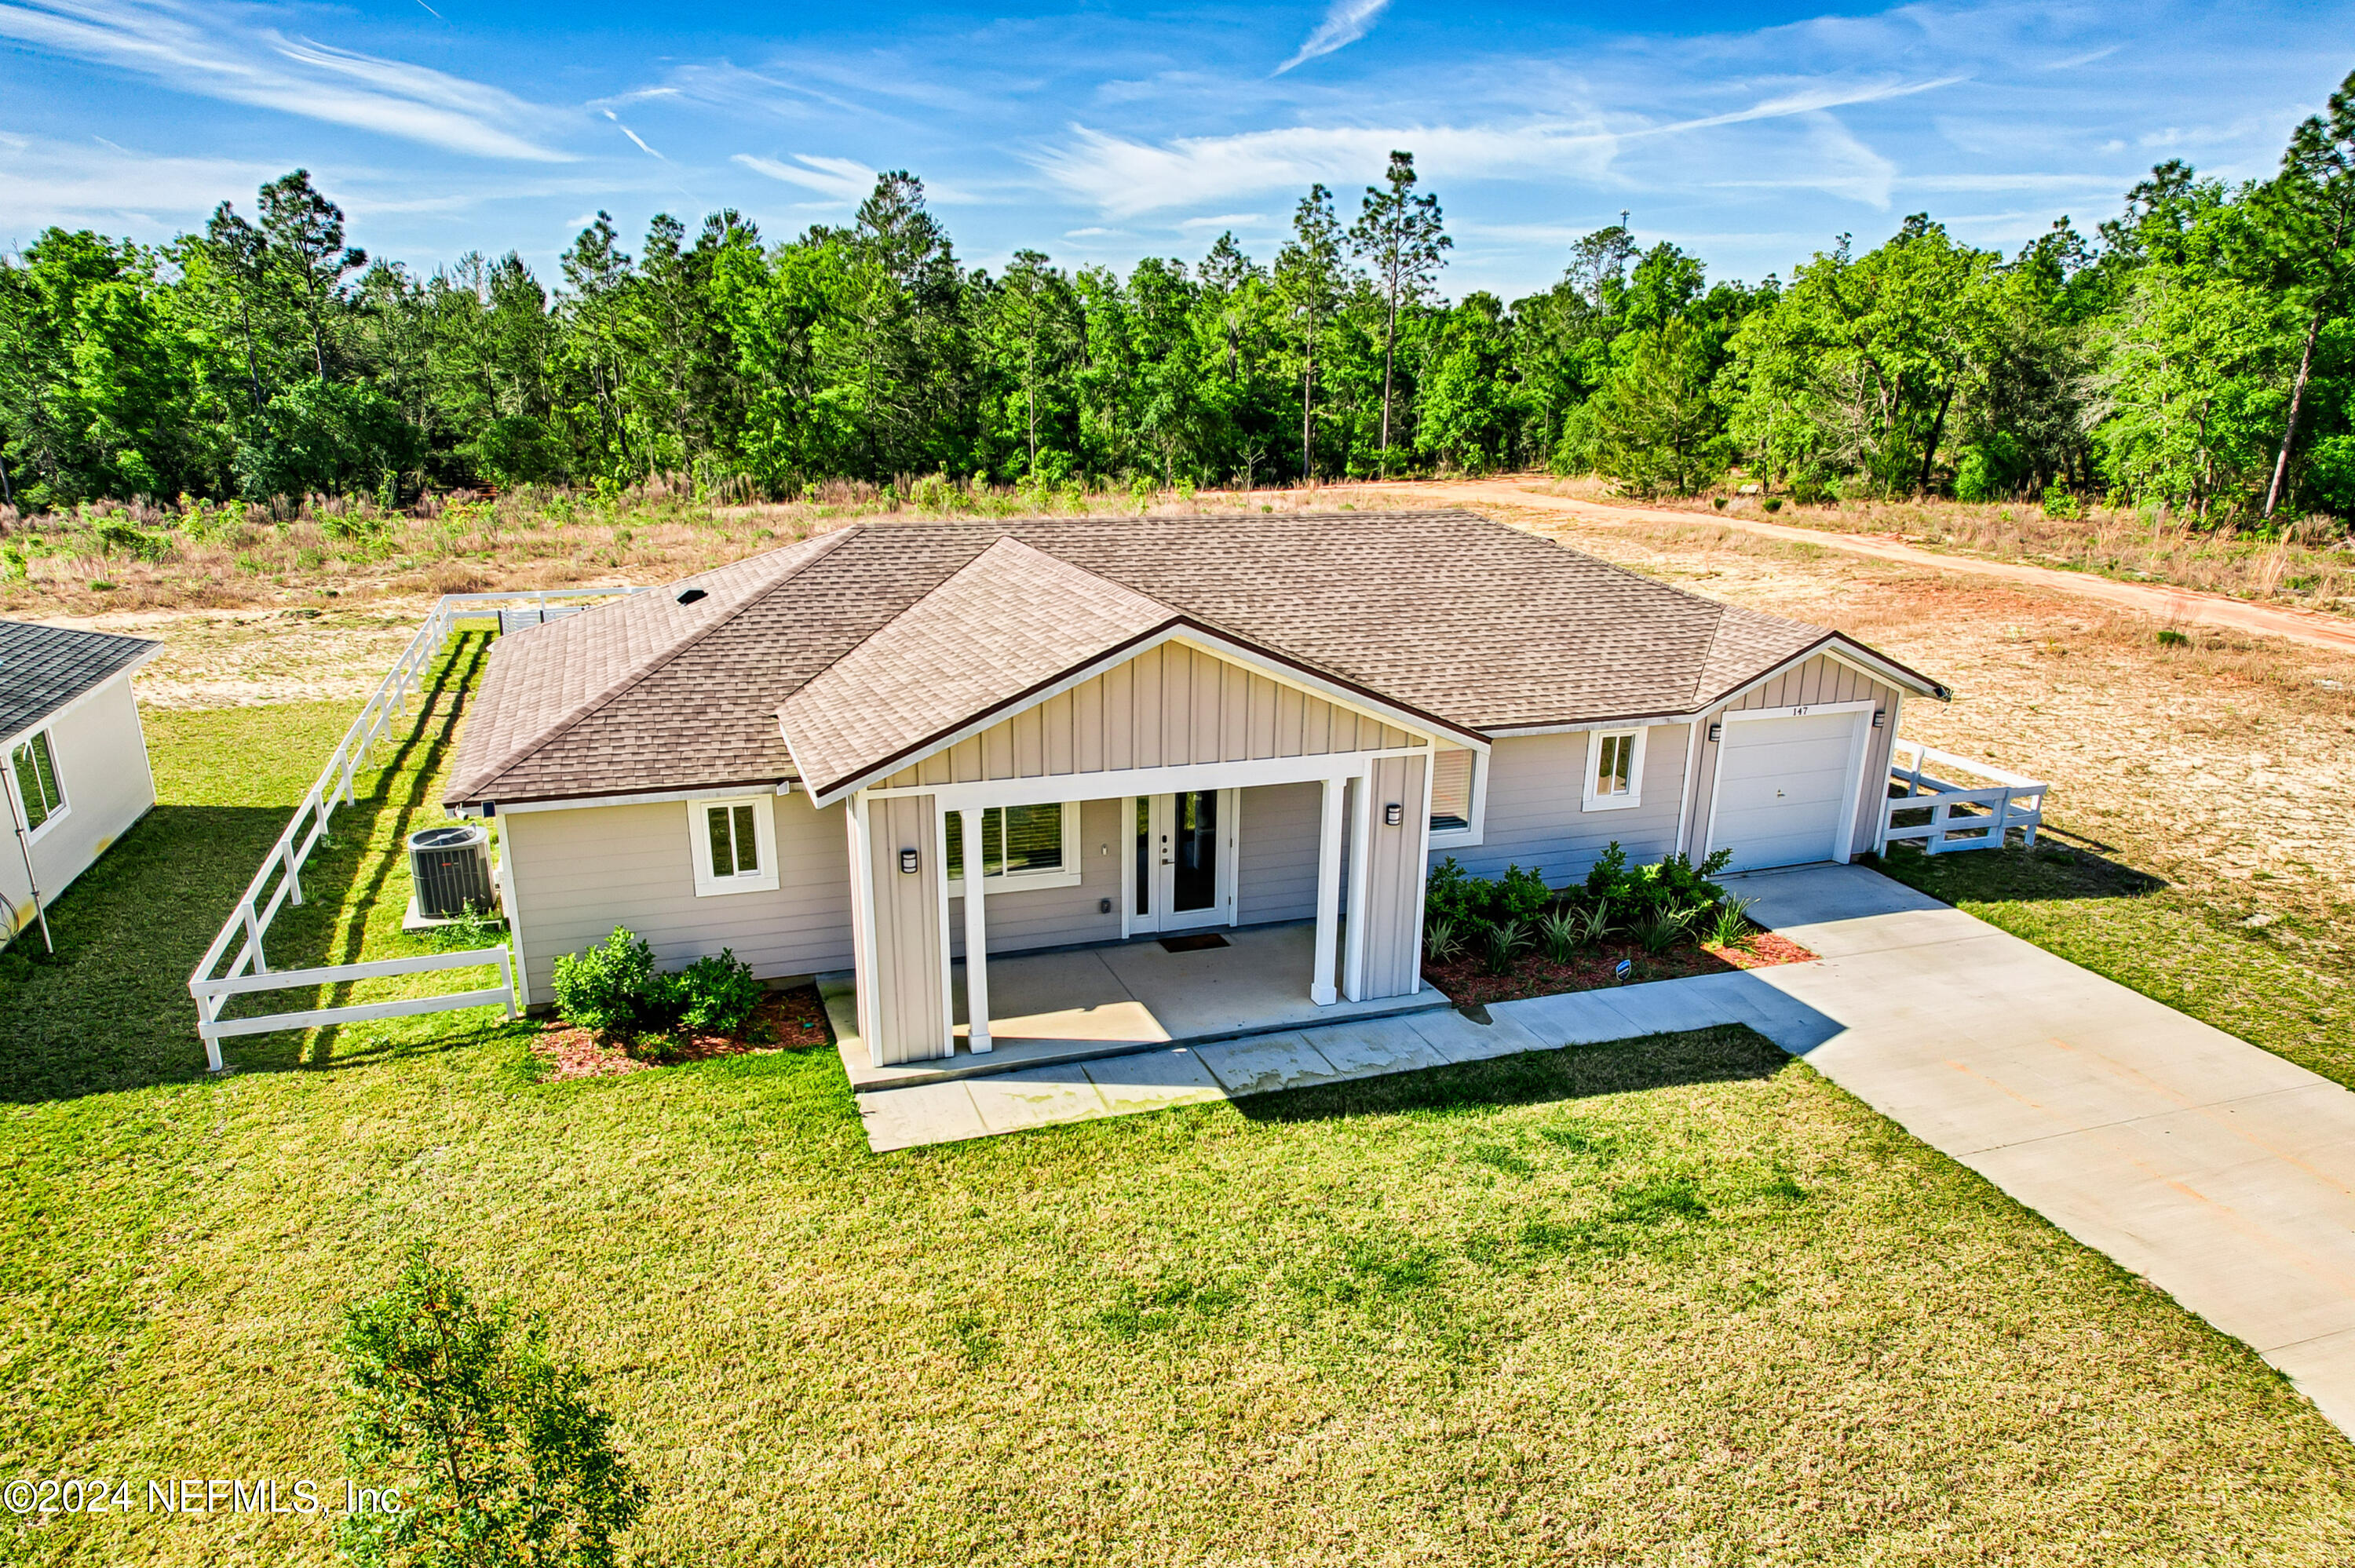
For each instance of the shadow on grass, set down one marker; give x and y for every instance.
(2061, 867)
(1729, 1053)
(111, 1011)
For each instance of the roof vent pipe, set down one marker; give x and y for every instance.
(691, 595)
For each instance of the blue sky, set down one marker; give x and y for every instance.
(1100, 130)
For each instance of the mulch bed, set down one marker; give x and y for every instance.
(1465, 981)
(786, 1021)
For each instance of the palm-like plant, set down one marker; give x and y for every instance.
(1561, 932)
(1662, 926)
(1442, 942)
(1505, 939)
(1729, 926)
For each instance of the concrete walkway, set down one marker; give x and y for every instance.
(2221, 1172)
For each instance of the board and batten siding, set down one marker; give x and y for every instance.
(100, 757)
(1395, 875)
(907, 1001)
(1822, 679)
(1169, 707)
(578, 873)
(1536, 817)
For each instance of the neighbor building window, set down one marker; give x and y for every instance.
(735, 844)
(1615, 769)
(37, 781)
(1021, 846)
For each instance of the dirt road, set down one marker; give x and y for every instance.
(2176, 605)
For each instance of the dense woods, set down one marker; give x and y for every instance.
(2193, 353)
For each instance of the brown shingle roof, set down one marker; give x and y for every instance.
(1479, 624)
(1005, 623)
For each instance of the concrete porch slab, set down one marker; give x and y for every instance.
(1083, 1003)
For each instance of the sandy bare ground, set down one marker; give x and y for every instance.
(2173, 606)
(2222, 766)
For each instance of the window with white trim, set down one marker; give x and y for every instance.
(1455, 786)
(1021, 846)
(734, 844)
(1615, 769)
(37, 781)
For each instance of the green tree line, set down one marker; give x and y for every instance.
(2194, 353)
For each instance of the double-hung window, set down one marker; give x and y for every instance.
(36, 771)
(734, 844)
(1615, 769)
(1021, 846)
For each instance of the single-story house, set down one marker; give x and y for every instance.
(1139, 725)
(77, 773)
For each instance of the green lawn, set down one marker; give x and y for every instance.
(1674, 1302)
(2169, 946)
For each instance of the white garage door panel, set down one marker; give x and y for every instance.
(1783, 789)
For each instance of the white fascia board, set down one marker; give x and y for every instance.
(1191, 637)
(1506, 732)
(70, 703)
(1042, 788)
(651, 798)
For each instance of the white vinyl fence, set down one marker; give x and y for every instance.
(279, 881)
(1962, 815)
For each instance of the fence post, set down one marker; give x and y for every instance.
(506, 974)
(286, 858)
(253, 937)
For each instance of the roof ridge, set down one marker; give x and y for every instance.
(827, 542)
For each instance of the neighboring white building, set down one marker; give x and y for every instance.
(75, 759)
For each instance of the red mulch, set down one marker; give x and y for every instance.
(1466, 982)
(794, 1020)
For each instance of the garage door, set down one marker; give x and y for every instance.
(1783, 789)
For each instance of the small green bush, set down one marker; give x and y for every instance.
(1503, 942)
(607, 989)
(1561, 932)
(612, 988)
(1772, 504)
(2167, 637)
(1442, 942)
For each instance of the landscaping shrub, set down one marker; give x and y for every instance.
(1442, 942)
(1659, 906)
(1502, 943)
(613, 989)
(607, 989)
(1729, 925)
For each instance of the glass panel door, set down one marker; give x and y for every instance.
(1194, 852)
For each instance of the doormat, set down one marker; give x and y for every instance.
(1194, 944)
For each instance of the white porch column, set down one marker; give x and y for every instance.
(977, 937)
(1328, 897)
(1361, 840)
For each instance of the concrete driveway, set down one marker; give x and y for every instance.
(2219, 1172)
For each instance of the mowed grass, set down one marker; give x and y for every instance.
(2155, 939)
(1678, 1301)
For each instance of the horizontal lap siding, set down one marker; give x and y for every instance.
(1275, 866)
(1169, 707)
(101, 767)
(1534, 816)
(1053, 917)
(1820, 679)
(578, 873)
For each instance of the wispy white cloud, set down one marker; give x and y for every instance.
(841, 178)
(104, 186)
(634, 136)
(184, 48)
(1225, 220)
(1345, 23)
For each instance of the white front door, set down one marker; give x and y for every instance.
(1787, 787)
(1185, 861)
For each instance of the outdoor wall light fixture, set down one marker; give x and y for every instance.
(1716, 733)
(1393, 814)
(1878, 716)
(907, 863)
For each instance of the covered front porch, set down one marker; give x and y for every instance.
(1107, 999)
